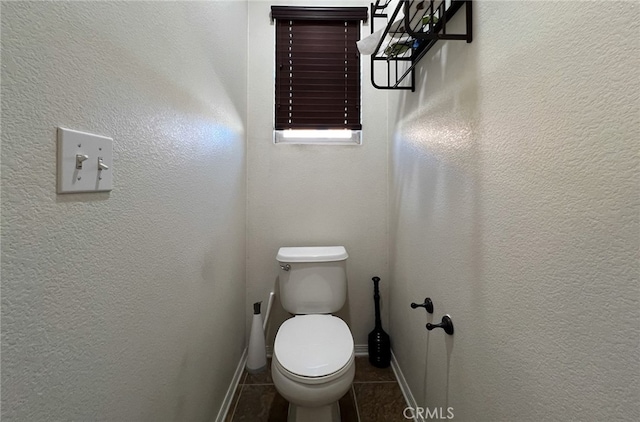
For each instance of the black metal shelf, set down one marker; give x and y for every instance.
(406, 40)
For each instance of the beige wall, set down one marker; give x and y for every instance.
(129, 305)
(511, 200)
(514, 205)
(314, 195)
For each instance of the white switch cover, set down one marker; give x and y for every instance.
(84, 150)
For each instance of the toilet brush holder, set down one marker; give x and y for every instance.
(257, 353)
(379, 344)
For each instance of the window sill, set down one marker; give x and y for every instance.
(318, 137)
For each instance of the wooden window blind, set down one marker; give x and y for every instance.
(317, 67)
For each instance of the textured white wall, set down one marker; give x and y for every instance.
(314, 194)
(126, 306)
(514, 205)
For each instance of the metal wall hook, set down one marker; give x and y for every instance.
(446, 325)
(428, 305)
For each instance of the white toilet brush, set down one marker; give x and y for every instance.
(257, 353)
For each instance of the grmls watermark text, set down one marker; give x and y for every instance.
(428, 413)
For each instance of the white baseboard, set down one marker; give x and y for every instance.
(361, 350)
(404, 387)
(231, 391)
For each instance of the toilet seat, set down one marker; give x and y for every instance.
(313, 348)
(313, 380)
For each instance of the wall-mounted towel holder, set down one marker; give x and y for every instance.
(446, 325)
(428, 305)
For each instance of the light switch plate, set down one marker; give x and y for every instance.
(88, 178)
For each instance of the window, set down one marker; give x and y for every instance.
(317, 70)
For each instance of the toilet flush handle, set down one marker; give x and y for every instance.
(285, 267)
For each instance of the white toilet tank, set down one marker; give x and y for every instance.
(313, 280)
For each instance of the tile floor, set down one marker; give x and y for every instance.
(374, 397)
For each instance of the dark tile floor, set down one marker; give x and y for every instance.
(374, 397)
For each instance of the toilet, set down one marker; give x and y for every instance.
(313, 355)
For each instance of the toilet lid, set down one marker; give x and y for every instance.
(313, 345)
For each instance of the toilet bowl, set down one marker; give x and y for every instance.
(313, 356)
